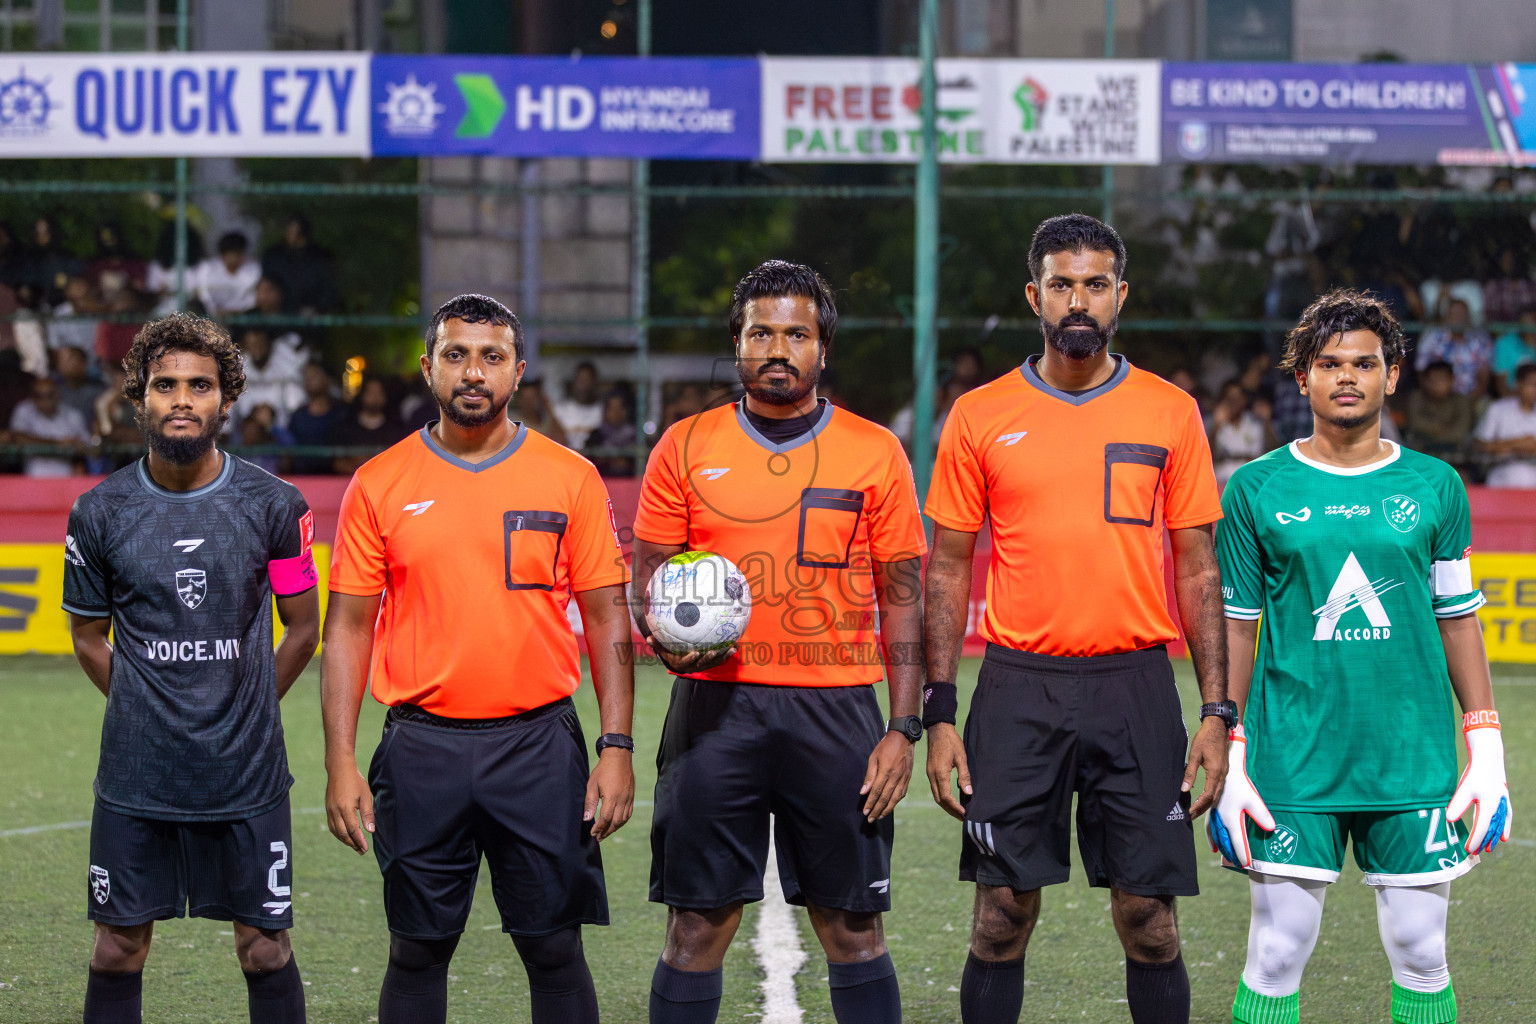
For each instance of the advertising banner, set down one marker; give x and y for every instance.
(1349, 113)
(291, 103)
(866, 110)
(1508, 582)
(659, 108)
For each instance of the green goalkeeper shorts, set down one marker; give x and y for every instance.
(1394, 848)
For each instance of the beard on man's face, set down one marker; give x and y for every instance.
(470, 418)
(183, 450)
(1078, 344)
(792, 391)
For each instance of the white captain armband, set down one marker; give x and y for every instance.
(1451, 578)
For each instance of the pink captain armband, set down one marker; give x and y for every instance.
(297, 574)
(293, 575)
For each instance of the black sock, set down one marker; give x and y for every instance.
(558, 979)
(114, 998)
(865, 992)
(276, 997)
(685, 997)
(1157, 993)
(415, 989)
(991, 991)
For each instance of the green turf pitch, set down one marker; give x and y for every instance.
(49, 733)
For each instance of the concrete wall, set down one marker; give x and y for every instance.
(1425, 31)
(475, 243)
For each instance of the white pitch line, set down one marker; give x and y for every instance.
(777, 945)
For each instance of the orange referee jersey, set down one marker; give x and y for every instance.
(1078, 489)
(804, 521)
(476, 563)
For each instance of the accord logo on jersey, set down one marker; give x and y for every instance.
(191, 586)
(1353, 589)
(1293, 517)
(1009, 440)
(1402, 512)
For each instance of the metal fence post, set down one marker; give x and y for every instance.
(640, 251)
(925, 277)
(182, 19)
(1107, 181)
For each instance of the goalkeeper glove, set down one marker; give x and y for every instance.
(1483, 783)
(1225, 828)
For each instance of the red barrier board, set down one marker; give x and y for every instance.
(37, 512)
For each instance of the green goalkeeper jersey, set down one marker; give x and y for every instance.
(1348, 569)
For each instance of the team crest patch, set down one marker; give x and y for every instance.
(191, 586)
(1402, 512)
(101, 884)
(1281, 845)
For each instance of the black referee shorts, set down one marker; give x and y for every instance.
(1108, 728)
(145, 869)
(446, 791)
(733, 753)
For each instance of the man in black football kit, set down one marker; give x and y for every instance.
(171, 565)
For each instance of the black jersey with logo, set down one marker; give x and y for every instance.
(192, 731)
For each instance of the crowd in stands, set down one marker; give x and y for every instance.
(68, 313)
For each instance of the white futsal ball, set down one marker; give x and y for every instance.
(697, 601)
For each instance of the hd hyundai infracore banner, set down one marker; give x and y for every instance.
(780, 109)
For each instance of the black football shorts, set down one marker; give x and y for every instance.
(145, 869)
(1108, 729)
(447, 791)
(732, 754)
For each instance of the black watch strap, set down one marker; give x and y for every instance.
(909, 726)
(1226, 710)
(614, 739)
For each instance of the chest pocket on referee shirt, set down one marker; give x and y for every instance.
(1132, 473)
(531, 542)
(829, 518)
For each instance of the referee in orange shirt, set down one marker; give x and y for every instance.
(456, 555)
(1079, 460)
(817, 508)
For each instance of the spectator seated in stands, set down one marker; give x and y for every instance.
(49, 267)
(77, 388)
(581, 410)
(114, 270)
(44, 419)
(1439, 419)
(1513, 292)
(74, 320)
(368, 424)
(274, 374)
(306, 272)
(534, 412)
(690, 401)
(1507, 434)
(1468, 349)
(1512, 351)
(226, 284)
(160, 279)
(259, 429)
(1237, 435)
(314, 423)
(617, 430)
(115, 423)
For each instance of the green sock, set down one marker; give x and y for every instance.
(1410, 1007)
(1251, 1008)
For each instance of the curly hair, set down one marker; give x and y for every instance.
(1340, 311)
(182, 332)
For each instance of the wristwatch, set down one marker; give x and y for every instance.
(614, 739)
(909, 726)
(1226, 710)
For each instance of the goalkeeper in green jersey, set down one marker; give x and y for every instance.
(1345, 568)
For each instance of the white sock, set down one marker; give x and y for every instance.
(1283, 925)
(1412, 924)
